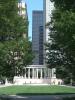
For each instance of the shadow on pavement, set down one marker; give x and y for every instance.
(39, 96)
(36, 94)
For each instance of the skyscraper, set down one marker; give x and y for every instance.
(23, 12)
(37, 37)
(22, 9)
(40, 31)
(47, 10)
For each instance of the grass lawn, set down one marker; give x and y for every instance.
(36, 90)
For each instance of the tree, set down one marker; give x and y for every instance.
(15, 56)
(15, 50)
(62, 49)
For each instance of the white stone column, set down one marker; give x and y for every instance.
(33, 73)
(48, 73)
(41, 72)
(44, 72)
(52, 73)
(25, 73)
(37, 73)
(28, 72)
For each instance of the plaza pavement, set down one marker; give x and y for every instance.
(35, 85)
(40, 97)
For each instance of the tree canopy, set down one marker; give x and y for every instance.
(61, 52)
(15, 50)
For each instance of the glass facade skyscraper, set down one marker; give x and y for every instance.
(37, 37)
(40, 31)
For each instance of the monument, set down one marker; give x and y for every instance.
(36, 74)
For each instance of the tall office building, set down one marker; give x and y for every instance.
(40, 31)
(48, 6)
(23, 12)
(37, 37)
(22, 9)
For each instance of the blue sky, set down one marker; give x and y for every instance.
(33, 5)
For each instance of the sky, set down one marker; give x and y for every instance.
(32, 5)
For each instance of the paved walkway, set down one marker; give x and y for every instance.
(6, 85)
(46, 97)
